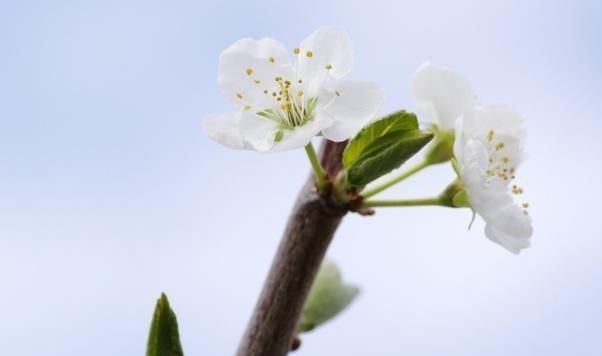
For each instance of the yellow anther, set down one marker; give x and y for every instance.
(249, 71)
(257, 81)
(300, 93)
(505, 159)
(525, 205)
(278, 79)
(499, 146)
(309, 54)
(337, 93)
(287, 83)
(239, 95)
(265, 91)
(490, 135)
(271, 60)
(296, 51)
(329, 66)
(300, 81)
(247, 107)
(274, 94)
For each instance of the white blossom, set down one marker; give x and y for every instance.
(488, 149)
(281, 104)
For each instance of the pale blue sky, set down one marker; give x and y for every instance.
(110, 194)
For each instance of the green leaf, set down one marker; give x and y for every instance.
(164, 339)
(327, 298)
(395, 122)
(385, 154)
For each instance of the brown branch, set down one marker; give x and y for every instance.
(309, 231)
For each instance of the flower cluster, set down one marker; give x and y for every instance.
(488, 149)
(282, 104)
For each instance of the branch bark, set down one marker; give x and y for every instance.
(308, 234)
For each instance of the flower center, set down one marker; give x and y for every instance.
(501, 165)
(284, 101)
(290, 107)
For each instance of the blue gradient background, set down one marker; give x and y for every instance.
(110, 194)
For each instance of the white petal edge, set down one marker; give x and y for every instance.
(441, 94)
(223, 129)
(356, 103)
(503, 234)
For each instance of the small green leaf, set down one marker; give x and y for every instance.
(327, 298)
(395, 122)
(385, 154)
(164, 339)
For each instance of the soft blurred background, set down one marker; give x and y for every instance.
(110, 193)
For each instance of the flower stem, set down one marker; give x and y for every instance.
(408, 202)
(317, 167)
(397, 179)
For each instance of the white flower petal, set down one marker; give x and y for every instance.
(223, 128)
(258, 132)
(247, 70)
(500, 119)
(354, 105)
(326, 52)
(507, 223)
(441, 94)
(512, 229)
(302, 135)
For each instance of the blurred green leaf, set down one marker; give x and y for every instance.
(327, 298)
(385, 154)
(395, 122)
(164, 339)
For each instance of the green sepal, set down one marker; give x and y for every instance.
(461, 200)
(455, 195)
(328, 297)
(164, 338)
(279, 135)
(456, 167)
(441, 149)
